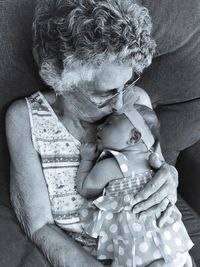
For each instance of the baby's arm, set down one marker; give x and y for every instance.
(89, 155)
(91, 178)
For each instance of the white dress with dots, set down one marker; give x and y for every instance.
(122, 234)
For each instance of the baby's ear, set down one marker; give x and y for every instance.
(135, 136)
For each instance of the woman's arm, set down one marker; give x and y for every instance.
(29, 195)
(158, 195)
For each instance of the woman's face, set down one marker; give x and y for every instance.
(115, 133)
(108, 81)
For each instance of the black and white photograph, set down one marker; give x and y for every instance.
(99, 133)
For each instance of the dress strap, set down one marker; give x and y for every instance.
(38, 112)
(121, 159)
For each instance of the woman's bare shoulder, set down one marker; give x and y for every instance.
(17, 112)
(17, 118)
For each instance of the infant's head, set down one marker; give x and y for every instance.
(120, 131)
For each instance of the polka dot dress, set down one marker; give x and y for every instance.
(121, 234)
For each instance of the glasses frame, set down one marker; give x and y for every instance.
(127, 85)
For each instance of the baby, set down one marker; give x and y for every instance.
(128, 239)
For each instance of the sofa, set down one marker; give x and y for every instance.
(172, 81)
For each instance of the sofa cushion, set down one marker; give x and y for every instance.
(174, 75)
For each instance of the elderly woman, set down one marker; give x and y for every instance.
(90, 53)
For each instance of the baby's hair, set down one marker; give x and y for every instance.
(151, 120)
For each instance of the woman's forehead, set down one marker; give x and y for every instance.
(111, 75)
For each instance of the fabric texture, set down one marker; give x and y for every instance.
(173, 78)
(122, 234)
(60, 157)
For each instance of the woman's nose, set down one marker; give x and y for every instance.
(117, 102)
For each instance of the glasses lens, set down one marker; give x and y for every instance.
(130, 83)
(103, 103)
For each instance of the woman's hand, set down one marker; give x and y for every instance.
(160, 194)
(89, 151)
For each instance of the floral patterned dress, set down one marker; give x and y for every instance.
(59, 152)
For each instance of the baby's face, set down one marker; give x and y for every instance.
(114, 133)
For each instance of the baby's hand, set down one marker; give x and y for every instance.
(89, 151)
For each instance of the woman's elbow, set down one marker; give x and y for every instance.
(28, 227)
(31, 219)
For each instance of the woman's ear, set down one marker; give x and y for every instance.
(135, 137)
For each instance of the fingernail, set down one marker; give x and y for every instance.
(161, 223)
(138, 199)
(136, 209)
(157, 215)
(143, 216)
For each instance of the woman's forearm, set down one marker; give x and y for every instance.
(61, 250)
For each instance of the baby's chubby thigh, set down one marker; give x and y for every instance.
(181, 260)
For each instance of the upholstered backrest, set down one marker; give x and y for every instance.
(18, 76)
(174, 75)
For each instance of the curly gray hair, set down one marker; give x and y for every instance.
(72, 38)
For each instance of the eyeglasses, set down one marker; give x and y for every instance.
(135, 77)
(126, 87)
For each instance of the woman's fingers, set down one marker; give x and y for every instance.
(155, 210)
(162, 186)
(158, 180)
(157, 198)
(156, 163)
(154, 160)
(165, 215)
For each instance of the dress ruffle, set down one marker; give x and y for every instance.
(122, 234)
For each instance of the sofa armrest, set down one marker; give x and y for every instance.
(188, 165)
